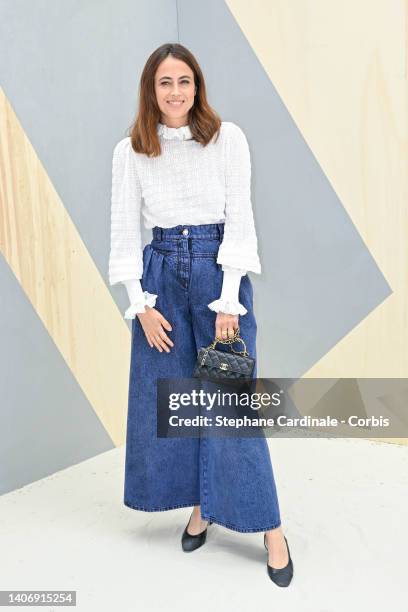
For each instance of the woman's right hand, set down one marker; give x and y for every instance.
(154, 324)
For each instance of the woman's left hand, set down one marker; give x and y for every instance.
(226, 325)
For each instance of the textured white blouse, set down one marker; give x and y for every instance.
(187, 184)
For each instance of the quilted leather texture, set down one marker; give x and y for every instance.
(223, 365)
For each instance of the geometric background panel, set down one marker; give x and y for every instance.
(46, 422)
(45, 251)
(326, 171)
(319, 279)
(343, 80)
(69, 79)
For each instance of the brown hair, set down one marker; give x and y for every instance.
(203, 120)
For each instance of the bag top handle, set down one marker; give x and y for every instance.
(235, 338)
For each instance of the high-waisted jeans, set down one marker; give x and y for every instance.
(230, 478)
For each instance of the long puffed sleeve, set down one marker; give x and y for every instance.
(239, 247)
(125, 259)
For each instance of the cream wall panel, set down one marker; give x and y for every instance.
(45, 252)
(340, 68)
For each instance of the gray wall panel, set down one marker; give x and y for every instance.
(70, 70)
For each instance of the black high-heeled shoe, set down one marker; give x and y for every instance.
(283, 576)
(192, 542)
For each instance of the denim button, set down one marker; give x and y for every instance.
(185, 231)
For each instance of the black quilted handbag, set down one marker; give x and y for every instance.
(223, 366)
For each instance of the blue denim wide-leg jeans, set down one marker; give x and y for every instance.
(230, 478)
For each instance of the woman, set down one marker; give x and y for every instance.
(187, 286)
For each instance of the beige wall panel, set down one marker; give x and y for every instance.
(50, 261)
(341, 71)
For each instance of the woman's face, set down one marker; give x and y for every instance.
(174, 82)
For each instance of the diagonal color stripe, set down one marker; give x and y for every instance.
(319, 278)
(44, 250)
(349, 102)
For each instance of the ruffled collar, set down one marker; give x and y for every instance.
(181, 133)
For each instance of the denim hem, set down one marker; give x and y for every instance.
(235, 528)
(206, 517)
(161, 508)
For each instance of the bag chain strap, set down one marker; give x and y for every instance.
(236, 337)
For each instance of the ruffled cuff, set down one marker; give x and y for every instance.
(227, 306)
(149, 299)
(228, 302)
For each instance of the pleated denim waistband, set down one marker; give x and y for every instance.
(204, 231)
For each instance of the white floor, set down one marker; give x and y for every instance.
(344, 507)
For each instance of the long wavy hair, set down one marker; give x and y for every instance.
(204, 122)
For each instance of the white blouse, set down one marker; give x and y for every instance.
(187, 184)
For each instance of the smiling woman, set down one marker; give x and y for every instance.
(175, 91)
(189, 174)
(177, 94)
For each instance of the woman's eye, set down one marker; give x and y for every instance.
(185, 82)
